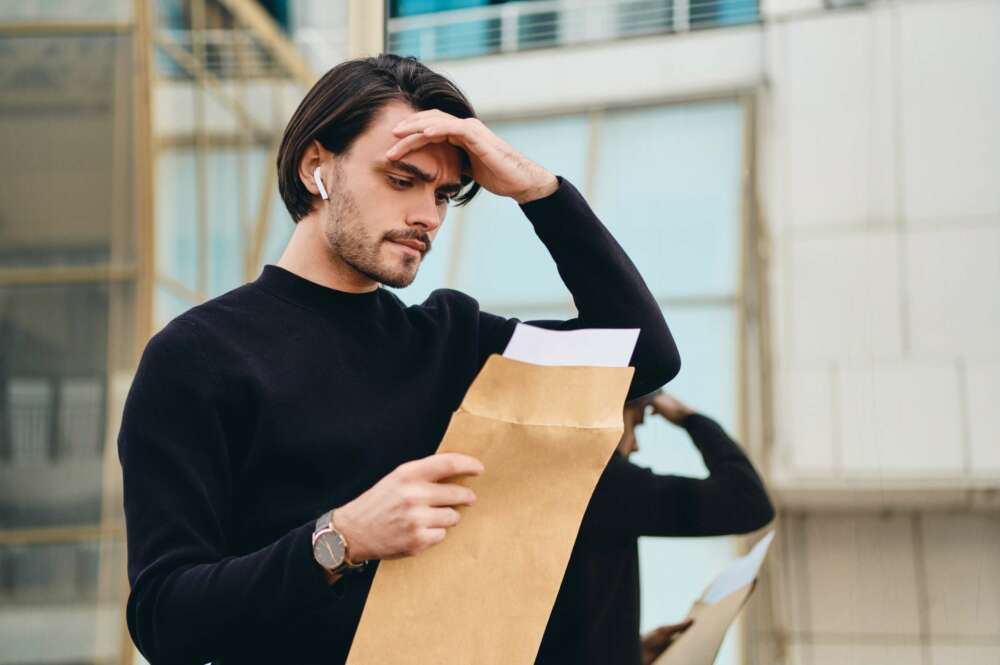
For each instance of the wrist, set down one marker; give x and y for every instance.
(353, 552)
(684, 416)
(546, 187)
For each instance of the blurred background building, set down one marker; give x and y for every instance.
(809, 187)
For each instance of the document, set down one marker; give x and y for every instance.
(597, 347)
(741, 572)
(716, 610)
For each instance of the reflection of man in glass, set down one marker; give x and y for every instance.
(596, 615)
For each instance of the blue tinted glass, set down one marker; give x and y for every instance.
(279, 231)
(706, 338)
(460, 40)
(669, 190)
(502, 262)
(675, 571)
(706, 13)
(414, 7)
(176, 217)
(451, 40)
(168, 305)
(177, 214)
(225, 239)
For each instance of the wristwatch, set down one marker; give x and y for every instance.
(330, 549)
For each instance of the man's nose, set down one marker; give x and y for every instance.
(426, 216)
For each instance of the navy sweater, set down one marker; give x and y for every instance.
(253, 413)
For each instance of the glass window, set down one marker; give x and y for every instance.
(469, 37)
(713, 13)
(230, 175)
(53, 604)
(53, 340)
(669, 189)
(494, 231)
(177, 217)
(67, 200)
(30, 405)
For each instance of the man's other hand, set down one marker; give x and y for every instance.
(670, 408)
(656, 641)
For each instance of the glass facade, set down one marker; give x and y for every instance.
(91, 263)
(451, 29)
(67, 328)
(468, 37)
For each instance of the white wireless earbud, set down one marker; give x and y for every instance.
(319, 184)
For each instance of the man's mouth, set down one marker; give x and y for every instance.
(415, 245)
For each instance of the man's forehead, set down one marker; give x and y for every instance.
(428, 160)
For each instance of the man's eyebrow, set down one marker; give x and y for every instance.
(415, 171)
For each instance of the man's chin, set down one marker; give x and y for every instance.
(399, 278)
(400, 283)
(399, 273)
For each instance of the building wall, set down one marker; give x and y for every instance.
(879, 155)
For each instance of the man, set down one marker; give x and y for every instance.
(596, 614)
(278, 436)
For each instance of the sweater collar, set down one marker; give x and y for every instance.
(294, 288)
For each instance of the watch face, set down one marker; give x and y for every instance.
(329, 550)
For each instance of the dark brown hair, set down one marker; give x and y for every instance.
(341, 106)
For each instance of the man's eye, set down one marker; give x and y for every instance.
(404, 184)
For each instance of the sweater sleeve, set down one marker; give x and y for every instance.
(631, 500)
(190, 597)
(607, 289)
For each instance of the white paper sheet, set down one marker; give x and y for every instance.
(595, 347)
(740, 573)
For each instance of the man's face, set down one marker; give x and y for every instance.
(382, 217)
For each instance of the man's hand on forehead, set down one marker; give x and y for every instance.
(493, 163)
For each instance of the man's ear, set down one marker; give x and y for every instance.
(313, 156)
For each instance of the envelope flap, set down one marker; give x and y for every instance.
(564, 396)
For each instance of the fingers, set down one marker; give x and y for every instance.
(420, 493)
(413, 142)
(467, 134)
(444, 494)
(439, 518)
(441, 466)
(660, 637)
(674, 629)
(432, 537)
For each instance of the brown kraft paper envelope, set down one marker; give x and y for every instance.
(699, 644)
(483, 596)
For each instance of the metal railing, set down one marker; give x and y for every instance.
(517, 26)
(229, 53)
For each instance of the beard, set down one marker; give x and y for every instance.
(348, 240)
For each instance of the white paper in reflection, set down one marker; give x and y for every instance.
(595, 347)
(739, 573)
